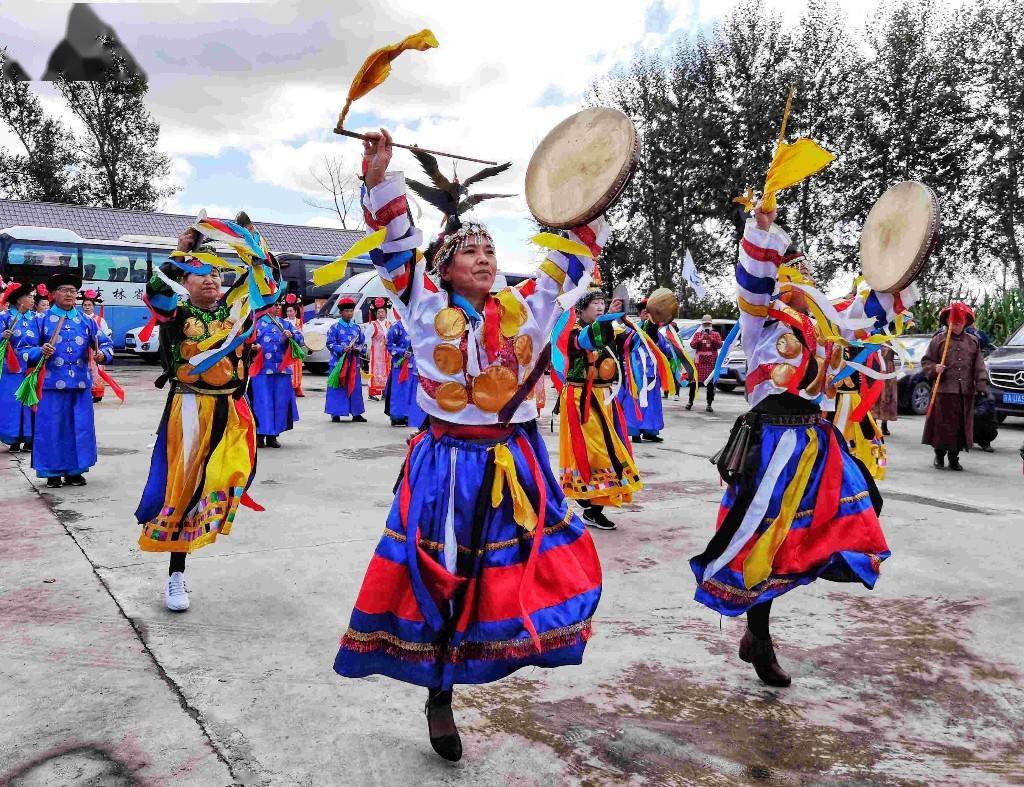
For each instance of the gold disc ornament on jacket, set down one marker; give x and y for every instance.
(450, 323)
(448, 359)
(194, 328)
(523, 348)
(221, 373)
(493, 389)
(186, 374)
(188, 349)
(789, 346)
(607, 369)
(452, 397)
(782, 374)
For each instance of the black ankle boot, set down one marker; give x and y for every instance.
(444, 735)
(261, 441)
(761, 653)
(940, 459)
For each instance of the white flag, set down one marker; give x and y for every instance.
(692, 276)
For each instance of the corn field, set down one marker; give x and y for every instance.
(997, 315)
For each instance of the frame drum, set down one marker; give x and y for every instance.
(315, 341)
(899, 234)
(581, 167)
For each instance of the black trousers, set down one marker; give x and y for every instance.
(693, 391)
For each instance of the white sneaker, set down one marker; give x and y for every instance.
(176, 594)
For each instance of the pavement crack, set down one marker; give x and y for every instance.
(191, 711)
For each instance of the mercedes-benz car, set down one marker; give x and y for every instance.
(1006, 376)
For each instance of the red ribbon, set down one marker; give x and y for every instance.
(11, 359)
(492, 328)
(530, 572)
(147, 331)
(576, 437)
(403, 373)
(117, 389)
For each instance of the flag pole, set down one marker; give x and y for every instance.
(356, 135)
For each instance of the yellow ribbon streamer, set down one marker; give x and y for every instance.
(377, 66)
(505, 473)
(333, 271)
(757, 566)
(549, 240)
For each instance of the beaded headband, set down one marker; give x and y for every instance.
(456, 240)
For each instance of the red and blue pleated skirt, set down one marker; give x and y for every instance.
(482, 568)
(809, 511)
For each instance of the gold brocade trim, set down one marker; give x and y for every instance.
(491, 546)
(809, 511)
(499, 649)
(732, 592)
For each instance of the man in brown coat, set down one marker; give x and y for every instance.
(949, 428)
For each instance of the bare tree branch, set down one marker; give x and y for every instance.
(331, 175)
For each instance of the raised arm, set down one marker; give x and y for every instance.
(762, 251)
(385, 207)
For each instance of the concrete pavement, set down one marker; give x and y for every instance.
(918, 682)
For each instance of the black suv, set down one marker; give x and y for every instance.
(1006, 376)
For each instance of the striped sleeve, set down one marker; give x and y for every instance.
(562, 274)
(882, 307)
(761, 253)
(385, 207)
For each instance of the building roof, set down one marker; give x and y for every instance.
(111, 224)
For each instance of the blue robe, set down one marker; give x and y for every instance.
(339, 337)
(400, 396)
(65, 434)
(15, 418)
(643, 418)
(271, 392)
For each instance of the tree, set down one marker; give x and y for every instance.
(330, 174)
(119, 155)
(47, 171)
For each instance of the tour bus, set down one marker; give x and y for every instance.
(119, 269)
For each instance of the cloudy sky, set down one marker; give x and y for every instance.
(247, 93)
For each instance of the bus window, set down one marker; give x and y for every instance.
(116, 265)
(45, 254)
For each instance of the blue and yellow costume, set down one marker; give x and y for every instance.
(64, 443)
(482, 569)
(270, 386)
(403, 381)
(646, 373)
(344, 381)
(204, 458)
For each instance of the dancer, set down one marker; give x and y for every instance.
(273, 398)
(482, 569)
(344, 381)
(595, 454)
(706, 343)
(20, 330)
(293, 314)
(798, 506)
(403, 382)
(645, 367)
(204, 458)
(64, 443)
(954, 364)
(90, 299)
(380, 362)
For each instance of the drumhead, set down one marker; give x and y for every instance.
(315, 341)
(899, 234)
(581, 167)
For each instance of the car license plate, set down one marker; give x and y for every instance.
(1013, 398)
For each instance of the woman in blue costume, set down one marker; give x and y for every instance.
(64, 445)
(344, 380)
(482, 569)
(271, 391)
(403, 382)
(20, 329)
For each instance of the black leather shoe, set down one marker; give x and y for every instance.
(940, 461)
(689, 406)
(761, 653)
(75, 480)
(55, 482)
(272, 442)
(358, 419)
(709, 409)
(444, 735)
(261, 441)
(335, 419)
(15, 448)
(954, 463)
(653, 438)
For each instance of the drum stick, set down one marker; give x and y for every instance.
(355, 135)
(938, 377)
